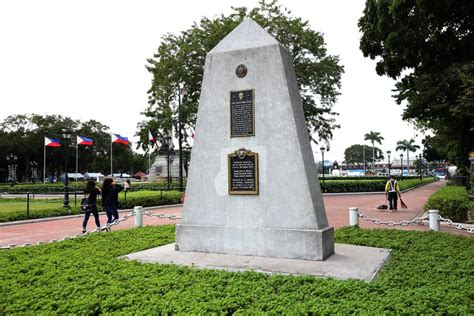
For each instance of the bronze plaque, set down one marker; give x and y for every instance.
(243, 172)
(242, 113)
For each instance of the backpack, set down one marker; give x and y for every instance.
(85, 203)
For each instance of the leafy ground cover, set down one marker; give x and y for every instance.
(16, 209)
(452, 202)
(428, 273)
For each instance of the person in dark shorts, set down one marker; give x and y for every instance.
(92, 192)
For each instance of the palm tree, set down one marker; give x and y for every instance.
(407, 145)
(373, 137)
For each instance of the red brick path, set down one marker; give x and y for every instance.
(337, 209)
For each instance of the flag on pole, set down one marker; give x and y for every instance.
(51, 142)
(84, 141)
(151, 139)
(116, 138)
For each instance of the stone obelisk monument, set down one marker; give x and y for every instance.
(253, 186)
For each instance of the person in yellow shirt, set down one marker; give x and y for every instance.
(392, 191)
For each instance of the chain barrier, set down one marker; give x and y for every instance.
(469, 229)
(162, 216)
(106, 227)
(416, 220)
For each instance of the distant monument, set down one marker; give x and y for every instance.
(253, 186)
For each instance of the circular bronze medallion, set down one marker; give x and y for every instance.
(241, 71)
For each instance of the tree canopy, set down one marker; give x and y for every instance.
(180, 61)
(428, 46)
(355, 154)
(23, 135)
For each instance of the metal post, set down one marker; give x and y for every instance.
(434, 220)
(27, 204)
(180, 142)
(75, 198)
(401, 165)
(125, 192)
(138, 216)
(168, 168)
(353, 216)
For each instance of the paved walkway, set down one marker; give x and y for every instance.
(337, 209)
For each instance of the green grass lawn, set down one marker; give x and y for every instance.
(15, 209)
(428, 273)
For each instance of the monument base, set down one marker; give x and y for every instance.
(348, 262)
(303, 244)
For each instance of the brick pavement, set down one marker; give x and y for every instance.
(337, 209)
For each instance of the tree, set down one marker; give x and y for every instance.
(429, 47)
(407, 145)
(23, 135)
(355, 154)
(373, 137)
(180, 60)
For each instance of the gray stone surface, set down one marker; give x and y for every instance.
(159, 168)
(287, 219)
(348, 262)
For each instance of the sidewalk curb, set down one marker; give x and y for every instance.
(58, 218)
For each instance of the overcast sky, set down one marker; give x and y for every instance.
(86, 59)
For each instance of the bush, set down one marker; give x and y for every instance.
(340, 186)
(149, 198)
(452, 202)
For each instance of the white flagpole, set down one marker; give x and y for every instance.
(77, 159)
(44, 162)
(149, 164)
(111, 157)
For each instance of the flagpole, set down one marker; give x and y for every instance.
(149, 165)
(44, 162)
(111, 157)
(77, 159)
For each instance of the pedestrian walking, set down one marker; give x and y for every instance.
(392, 191)
(91, 191)
(110, 191)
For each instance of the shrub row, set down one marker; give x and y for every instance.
(452, 202)
(332, 185)
(341, 186)
(149, 198)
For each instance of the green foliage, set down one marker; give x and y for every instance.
(355, 154)
(377, 185)
(180, 60)
(452, 202)
(428, 273)
(24, 135)
(149, 198)
(16, 209)
(428, 46)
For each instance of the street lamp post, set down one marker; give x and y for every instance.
(181, 92)
(401, 164)
(67, 134)
(421, 169)
(11, 159)
(388, 155)
(322, 160)
(34, 168)
(168, 169)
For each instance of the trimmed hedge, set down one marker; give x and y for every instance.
(428, 273)
(340, 186)
(452, 202)
(149, 198)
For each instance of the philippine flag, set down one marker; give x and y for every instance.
(151, 139)
(51, 142)
(84, 141)
(116, 138)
